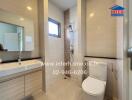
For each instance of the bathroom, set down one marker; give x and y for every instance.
(65, 50)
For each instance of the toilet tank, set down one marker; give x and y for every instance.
(98, 70)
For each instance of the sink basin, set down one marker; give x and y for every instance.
(13, 68)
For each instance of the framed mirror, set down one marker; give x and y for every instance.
(16, 32)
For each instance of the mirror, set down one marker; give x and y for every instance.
(16, 32)
(11, 37)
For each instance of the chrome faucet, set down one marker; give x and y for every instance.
(20, 58)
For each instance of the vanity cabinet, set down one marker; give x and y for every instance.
(12, 89)
(29, 84)
(33, 83)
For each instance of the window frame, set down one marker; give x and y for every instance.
(59, 28)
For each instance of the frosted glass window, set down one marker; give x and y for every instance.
(54, 28)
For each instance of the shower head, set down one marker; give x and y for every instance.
(70, 28)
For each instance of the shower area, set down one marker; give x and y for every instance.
(70, 22)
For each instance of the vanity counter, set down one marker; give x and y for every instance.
(15, 69)
(18, 81)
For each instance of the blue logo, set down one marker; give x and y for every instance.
(117, 10)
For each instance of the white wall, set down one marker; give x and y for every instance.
(122, 40)
(120, 56)
(78, 19)
(100, 29)
(73, 16)
(130, 45)
(125, 50)
(54, 46)
(79, 51)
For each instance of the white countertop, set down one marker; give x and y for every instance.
(13, 68)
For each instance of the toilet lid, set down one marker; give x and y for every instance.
(93, 86)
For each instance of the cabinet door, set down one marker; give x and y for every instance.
(33, 83)
(12, 90)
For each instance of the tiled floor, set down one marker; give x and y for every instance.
(65, 89)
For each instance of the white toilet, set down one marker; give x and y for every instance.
(94, 85)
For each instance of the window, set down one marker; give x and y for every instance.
(54, 28)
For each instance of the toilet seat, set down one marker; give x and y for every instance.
(93, 86)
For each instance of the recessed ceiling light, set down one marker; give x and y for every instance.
(21, 19)
(91, 15)
(29, 8)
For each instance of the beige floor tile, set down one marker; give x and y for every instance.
(64, 90)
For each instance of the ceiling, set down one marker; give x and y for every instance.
(64, 4)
